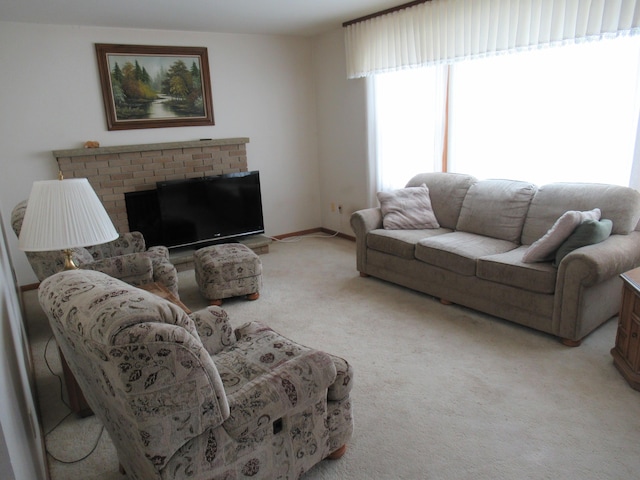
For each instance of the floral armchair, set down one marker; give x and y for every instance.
(125, 258)
(186, 396)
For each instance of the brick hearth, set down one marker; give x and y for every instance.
(114, 171)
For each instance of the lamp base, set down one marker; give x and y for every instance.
(68, 260)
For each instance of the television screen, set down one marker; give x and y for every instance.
(209, 209)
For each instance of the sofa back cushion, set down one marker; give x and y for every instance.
(447, 192)
(619, 204)
(496, 208)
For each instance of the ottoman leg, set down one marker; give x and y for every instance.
(216, 303)
(253, 296)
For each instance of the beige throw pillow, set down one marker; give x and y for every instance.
(543, 249)
(407, 209)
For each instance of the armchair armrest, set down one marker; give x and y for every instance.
(164, 271)
(299, 382)
(133, 268)
(159, 251)
(214, 329)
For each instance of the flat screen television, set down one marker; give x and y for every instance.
(201, 211)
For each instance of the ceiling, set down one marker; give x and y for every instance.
(287, 17)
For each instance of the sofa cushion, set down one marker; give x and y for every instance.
(544, 249)
(458, 251)
(447, 191)
(509, 269)
(407, 209)
(588, 232)
(496, 208)
(400, 243)
(619, 204)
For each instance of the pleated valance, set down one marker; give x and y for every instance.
(443, 31)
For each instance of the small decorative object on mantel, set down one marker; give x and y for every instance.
(91, 144)
(146, 86)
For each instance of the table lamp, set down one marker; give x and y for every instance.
(64, 214)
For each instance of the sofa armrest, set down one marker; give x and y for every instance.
(593, 264)
(214, 329)
(134, 269)
(588, 285)
(362, 222)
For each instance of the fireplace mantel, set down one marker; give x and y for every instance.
(116, 170)
(148, 147)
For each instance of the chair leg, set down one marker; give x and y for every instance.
(253, 296)
(215, 303)
(338, 453)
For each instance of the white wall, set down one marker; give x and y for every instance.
(342, 133)
(262, 88)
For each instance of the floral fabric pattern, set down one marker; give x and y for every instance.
(123, 258)
(185, 396)
(227, 270)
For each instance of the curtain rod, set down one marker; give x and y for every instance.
(384, 12)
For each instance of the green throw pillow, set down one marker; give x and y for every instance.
(588, 232)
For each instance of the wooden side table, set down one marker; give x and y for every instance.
(77, 402)
(626, 353)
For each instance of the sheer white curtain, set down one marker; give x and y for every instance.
(408, 108)
(451, 32)
(557, 114)
(443, 31)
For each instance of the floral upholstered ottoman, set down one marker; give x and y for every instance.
(227, 270)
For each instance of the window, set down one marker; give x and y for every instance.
(409, 124)
(558, 114)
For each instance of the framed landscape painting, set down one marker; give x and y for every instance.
(146, 86)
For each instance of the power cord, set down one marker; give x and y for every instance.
(93, 449)
(97, 442)
(46, 362)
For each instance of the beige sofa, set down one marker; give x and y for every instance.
(475, 257)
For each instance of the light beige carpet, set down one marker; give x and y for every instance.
(441, 392)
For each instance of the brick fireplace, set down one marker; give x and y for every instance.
(114, 171)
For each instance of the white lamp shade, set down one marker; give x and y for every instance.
(64, 214)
